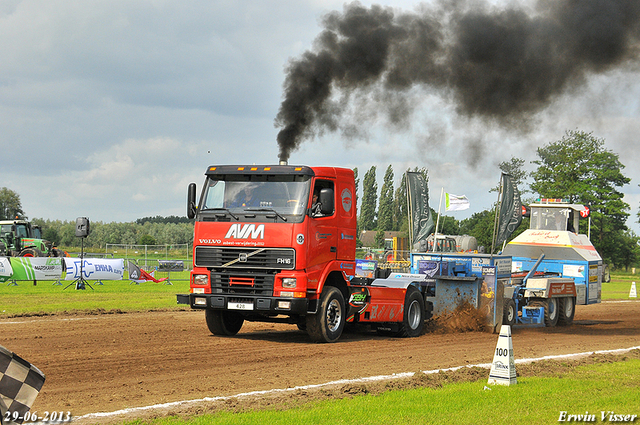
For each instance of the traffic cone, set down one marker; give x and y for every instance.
(632, 293)
(503, 368)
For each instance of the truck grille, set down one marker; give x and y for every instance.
(242, 283)
(245, 258)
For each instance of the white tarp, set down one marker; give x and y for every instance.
(95, 268)
(5, 269)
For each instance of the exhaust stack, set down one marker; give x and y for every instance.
(283, 162)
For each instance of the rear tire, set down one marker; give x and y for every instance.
(509, 312)
(223, 323)
(413, 319)
(567, 311)
(31, 252)
(328, 323)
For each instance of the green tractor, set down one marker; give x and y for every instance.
(18, 238)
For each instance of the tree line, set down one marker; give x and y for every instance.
(577, 167)
(63, 233)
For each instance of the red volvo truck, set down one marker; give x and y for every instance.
(277, 243)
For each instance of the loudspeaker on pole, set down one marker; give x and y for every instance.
(82, 227)
(632, 292)
(503, 368)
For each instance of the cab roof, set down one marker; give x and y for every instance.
(557, 203)
(259, 169)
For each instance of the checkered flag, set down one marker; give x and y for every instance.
(20, 383)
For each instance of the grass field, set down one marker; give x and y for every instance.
(535, 400)
(619, 287)
(48, 297)
(593, 390)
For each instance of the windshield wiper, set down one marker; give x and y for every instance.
(222, 209)
(280, 216)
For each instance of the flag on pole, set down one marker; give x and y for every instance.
(420, 219)
(20, 383)
(510, 209)
(455, 202)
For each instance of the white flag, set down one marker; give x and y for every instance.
(456, 203)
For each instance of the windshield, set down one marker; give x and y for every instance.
(5, 229)
(21, 231)
(257, 195)
(549, 218)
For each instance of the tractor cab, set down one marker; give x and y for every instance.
(557, 214)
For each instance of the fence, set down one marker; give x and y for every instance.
(148, 251)
(163, 268)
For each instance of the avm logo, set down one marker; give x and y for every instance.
(245, 231)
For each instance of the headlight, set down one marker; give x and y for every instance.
(200, 279)
(289, 282)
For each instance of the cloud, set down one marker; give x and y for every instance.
(109, 109)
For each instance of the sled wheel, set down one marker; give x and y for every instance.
(223, 323)
(328, 323)
(509, 312)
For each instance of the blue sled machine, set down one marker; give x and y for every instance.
(537, 280)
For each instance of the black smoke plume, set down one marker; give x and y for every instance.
(500, 64)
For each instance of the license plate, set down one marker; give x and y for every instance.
(240, 306)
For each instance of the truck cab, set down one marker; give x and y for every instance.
(277, 243)
(441, 243)
(268, 240)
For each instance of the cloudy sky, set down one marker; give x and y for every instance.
(108, 109)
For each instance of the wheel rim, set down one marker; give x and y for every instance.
(334, 315)
(413, 315)
(510, 312)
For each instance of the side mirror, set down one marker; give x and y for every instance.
(191, 201)
(326, 199)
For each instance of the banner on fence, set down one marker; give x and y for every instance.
(5, 269)
(170, 265)
(32, 268)
(95, 268)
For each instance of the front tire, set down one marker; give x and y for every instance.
(223, 323)
(567, 311)
(551, 309)
(327, 325)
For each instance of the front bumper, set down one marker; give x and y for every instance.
(246, 305)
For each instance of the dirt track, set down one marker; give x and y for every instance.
(107, 362)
